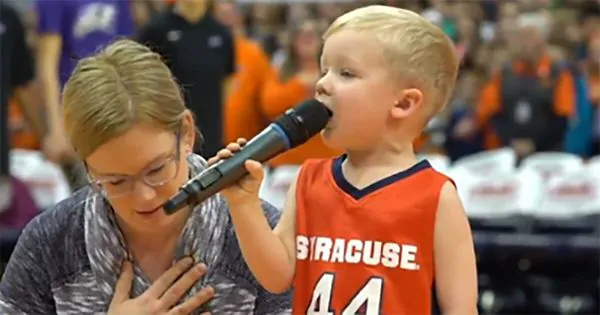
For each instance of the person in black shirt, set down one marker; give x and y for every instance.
(16, 79)
(200, 53)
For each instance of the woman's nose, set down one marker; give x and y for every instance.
(143, 192)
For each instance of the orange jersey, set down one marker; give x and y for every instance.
(365, 251)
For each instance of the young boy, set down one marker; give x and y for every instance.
(369, 232)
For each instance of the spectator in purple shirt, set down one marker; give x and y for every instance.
(70, 30)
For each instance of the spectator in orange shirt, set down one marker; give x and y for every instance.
(528, 103)
(291, 84)
(243, 116)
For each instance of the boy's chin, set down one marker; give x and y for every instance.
(330, 139)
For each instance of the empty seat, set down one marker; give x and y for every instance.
(439, 162)
(550, 164)
(488, 163)
(501, 202)
(570, 203)
(593, 164)
(45, 179)
(276, 184)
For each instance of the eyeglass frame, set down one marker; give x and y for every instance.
(96, 184)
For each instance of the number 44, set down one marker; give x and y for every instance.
(369, 295)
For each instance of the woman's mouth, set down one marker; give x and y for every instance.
(148, 213)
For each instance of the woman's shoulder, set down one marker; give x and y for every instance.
(56, 235)
(63, 221)
(50, 250)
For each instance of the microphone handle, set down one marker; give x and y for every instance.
(261, 148)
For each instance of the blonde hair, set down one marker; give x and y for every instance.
(417, 50)
(122, 85)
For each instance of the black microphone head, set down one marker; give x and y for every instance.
(304, 121)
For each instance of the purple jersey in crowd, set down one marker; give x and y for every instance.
(84, 25)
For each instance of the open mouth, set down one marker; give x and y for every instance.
(330, 118)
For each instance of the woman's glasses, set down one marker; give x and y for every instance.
(155, 175)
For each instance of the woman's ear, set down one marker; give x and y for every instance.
(188, 132)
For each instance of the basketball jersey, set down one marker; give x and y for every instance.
(365, 251)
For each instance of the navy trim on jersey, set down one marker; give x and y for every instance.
(356, 193)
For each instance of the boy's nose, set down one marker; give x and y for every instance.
(323, 88)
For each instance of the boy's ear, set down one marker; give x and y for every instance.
(410, 100)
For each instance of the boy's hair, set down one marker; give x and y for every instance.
(417, 50)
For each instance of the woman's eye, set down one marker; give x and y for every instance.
(116, 182)
(156, 170)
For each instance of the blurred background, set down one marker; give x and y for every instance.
(521, 136)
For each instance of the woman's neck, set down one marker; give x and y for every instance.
(150, 240)
(190, 11)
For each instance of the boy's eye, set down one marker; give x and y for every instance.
(346, 73)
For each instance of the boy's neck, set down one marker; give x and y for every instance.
(364, 168)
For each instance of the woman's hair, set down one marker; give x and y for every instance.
(122, 85)
(289, 67)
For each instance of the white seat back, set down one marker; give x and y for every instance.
(277, 183)
(45, 179)
(593, 164)
(500, 196)
(439, 162)
(488, 163)
(570, 195)
(550, 164)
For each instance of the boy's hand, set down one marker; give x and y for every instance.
(245, 190)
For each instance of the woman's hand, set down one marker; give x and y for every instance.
(164, 293)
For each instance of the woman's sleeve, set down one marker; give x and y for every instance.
(266, 303)
(25, 286)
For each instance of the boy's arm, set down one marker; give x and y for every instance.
(454, 256)
(270, 254)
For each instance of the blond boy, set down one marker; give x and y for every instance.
(372, 231)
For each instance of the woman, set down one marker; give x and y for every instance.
(293, 83)
(126, 119)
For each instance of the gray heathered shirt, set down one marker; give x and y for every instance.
(68, 258)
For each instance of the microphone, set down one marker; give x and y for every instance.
(291, 129)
